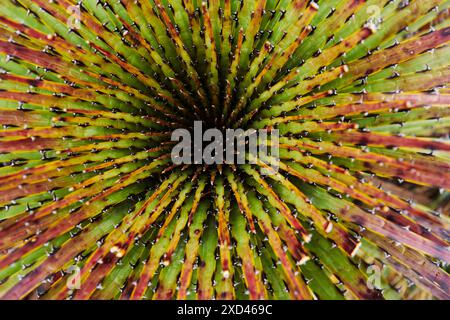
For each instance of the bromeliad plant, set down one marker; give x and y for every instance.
(93, 208)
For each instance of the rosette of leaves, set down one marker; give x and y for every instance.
(91, 206)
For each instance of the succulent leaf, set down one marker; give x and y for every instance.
(91, 90)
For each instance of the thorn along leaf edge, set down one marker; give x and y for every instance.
(92, 207)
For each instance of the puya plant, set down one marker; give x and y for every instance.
(92, 207)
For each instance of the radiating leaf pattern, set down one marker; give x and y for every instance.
(91, 90)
